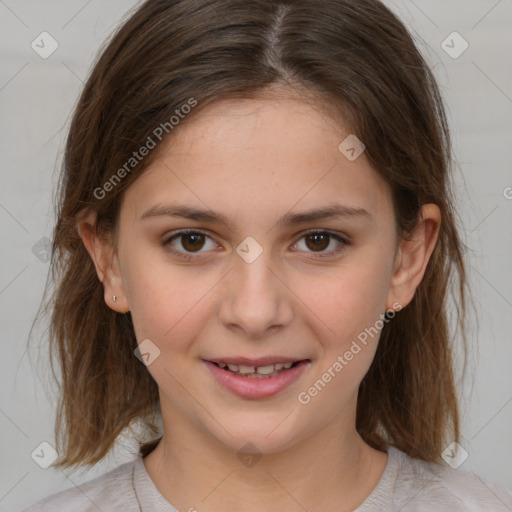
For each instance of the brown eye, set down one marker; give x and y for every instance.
(189, 243)
(192, 242)
(317, 241)
(321, 244)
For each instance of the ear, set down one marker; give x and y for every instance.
(412, 258)
(102, 252)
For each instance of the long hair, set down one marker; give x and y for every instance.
(354, 55)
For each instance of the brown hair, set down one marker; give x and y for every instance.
(356, 55)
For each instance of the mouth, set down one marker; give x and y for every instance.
(255, 379)
(266, 371)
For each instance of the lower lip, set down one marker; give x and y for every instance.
(257, 388)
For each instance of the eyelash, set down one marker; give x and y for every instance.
(190, 256)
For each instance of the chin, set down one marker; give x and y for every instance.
(259, 436)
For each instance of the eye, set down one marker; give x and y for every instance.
(193, 241)
(318, 241)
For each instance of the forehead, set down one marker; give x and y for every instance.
(253, 124)
(247, 157)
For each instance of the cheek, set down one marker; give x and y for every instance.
(346, 309)
(166, 301)
(346, 312)
(349, 299)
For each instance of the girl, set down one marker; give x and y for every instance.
(254, 249)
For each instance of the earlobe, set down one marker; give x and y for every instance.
(105, 261)
(413, 256)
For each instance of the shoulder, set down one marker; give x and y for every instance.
(422, 486)
(111, 491)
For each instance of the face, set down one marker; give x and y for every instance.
(262, 278)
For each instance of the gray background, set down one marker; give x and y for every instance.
(36, 99)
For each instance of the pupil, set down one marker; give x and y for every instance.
(319, 241)
(197, 241)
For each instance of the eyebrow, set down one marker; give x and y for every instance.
(333, 210)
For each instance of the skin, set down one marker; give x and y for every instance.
(254, 161)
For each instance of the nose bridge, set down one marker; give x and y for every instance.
(256, 300)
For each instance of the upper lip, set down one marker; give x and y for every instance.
(259, 361)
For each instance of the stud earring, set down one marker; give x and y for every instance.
(114, 298)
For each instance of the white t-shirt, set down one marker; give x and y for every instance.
(406, 485)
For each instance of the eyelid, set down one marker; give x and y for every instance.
(176, 234)
(341, 238)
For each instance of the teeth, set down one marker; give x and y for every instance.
(266, 370)
(245, 369)
(254, 371)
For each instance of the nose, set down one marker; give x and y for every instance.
(256, 301)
